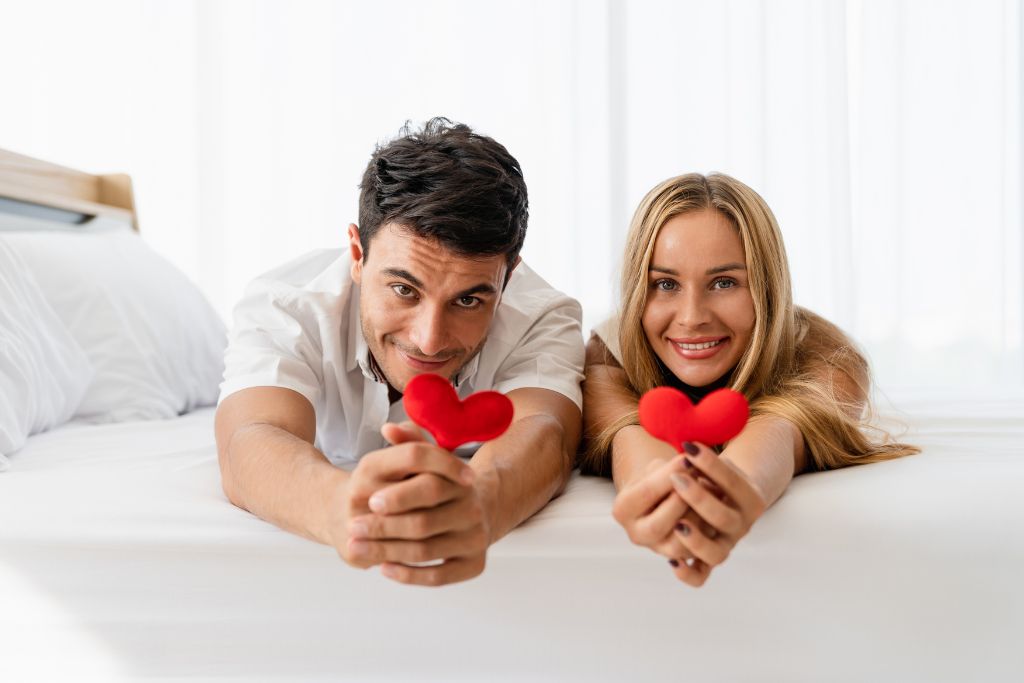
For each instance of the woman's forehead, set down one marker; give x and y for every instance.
(698, 237)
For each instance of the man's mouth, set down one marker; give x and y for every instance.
(423, 363)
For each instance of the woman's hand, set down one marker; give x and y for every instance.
(649, 510)
(725, 515)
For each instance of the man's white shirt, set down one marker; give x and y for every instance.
(298, 327)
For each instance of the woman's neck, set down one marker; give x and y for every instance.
(695, 394)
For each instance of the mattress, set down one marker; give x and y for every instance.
(121, 559)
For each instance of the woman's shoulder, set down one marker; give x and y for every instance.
(603, 347)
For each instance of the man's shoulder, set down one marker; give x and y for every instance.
(530, 295)
(307, 289)
(317, 270)
(530, 306)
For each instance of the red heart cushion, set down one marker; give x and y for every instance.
(667, 414)
(431, 402)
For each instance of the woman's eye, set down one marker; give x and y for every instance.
(724, 283)
(665, 285)
(404, 291)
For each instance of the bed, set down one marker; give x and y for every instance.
(121, 559)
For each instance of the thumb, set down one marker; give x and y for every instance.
(403, 432)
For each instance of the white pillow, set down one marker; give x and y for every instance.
(156, 344)
(43, 371)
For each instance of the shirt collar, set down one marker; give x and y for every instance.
(359, 350)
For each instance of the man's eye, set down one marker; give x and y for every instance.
(468, 301)
(404, 291)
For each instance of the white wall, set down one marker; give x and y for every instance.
(885, 135)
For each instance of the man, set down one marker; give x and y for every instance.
(322, 348)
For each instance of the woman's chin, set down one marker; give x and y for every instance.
(696, 377)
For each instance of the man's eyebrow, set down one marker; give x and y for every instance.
(405, 275)
(712, 271)
(482, 288)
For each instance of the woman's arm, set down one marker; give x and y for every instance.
(607, 398)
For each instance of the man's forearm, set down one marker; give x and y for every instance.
(521, 471)
(284, 480)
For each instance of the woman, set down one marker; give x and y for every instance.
(707, 303)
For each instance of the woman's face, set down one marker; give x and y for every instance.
(699, 314)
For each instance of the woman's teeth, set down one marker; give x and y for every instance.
(698, 347)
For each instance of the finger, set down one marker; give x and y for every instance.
(402, 432)
(704, 481)
(654, 527)
(640, 498)
(443, 547)
(414, 526)
(725, 519)
(398, 462)
(671, 547)
(420, 491)
(712, 552)
(452, 571)
(730, 480)
(693, 572)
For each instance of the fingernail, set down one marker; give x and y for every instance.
(683, 529)
(358, 547)
(674, 563)
(377, 503)
(687, 464)
(691, 448)
(679, 480)
(358, 529)
(388, 570)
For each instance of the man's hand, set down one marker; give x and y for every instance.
(410, 504)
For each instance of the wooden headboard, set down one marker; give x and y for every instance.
(34, 187)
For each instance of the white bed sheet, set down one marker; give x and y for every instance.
(120, 559)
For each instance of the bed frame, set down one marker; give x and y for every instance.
(45, 191)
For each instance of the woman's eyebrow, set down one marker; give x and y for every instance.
(717, 269)
(726, 267)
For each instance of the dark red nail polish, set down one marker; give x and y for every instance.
(687, 464)
(683, 529)
(674, 563)
(690, 448)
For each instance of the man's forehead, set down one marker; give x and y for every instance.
(396, 249)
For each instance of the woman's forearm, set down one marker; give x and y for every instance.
(769, 451)
(635, 453)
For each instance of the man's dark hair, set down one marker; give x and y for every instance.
(446, 182)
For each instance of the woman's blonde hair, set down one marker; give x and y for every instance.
(793, 357)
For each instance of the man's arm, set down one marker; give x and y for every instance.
(449, 524)
(527, 466)
(270, 467)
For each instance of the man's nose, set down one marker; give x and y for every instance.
(428, 331)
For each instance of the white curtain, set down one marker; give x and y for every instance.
(885, 135)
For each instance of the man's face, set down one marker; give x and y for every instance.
(422, 307)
